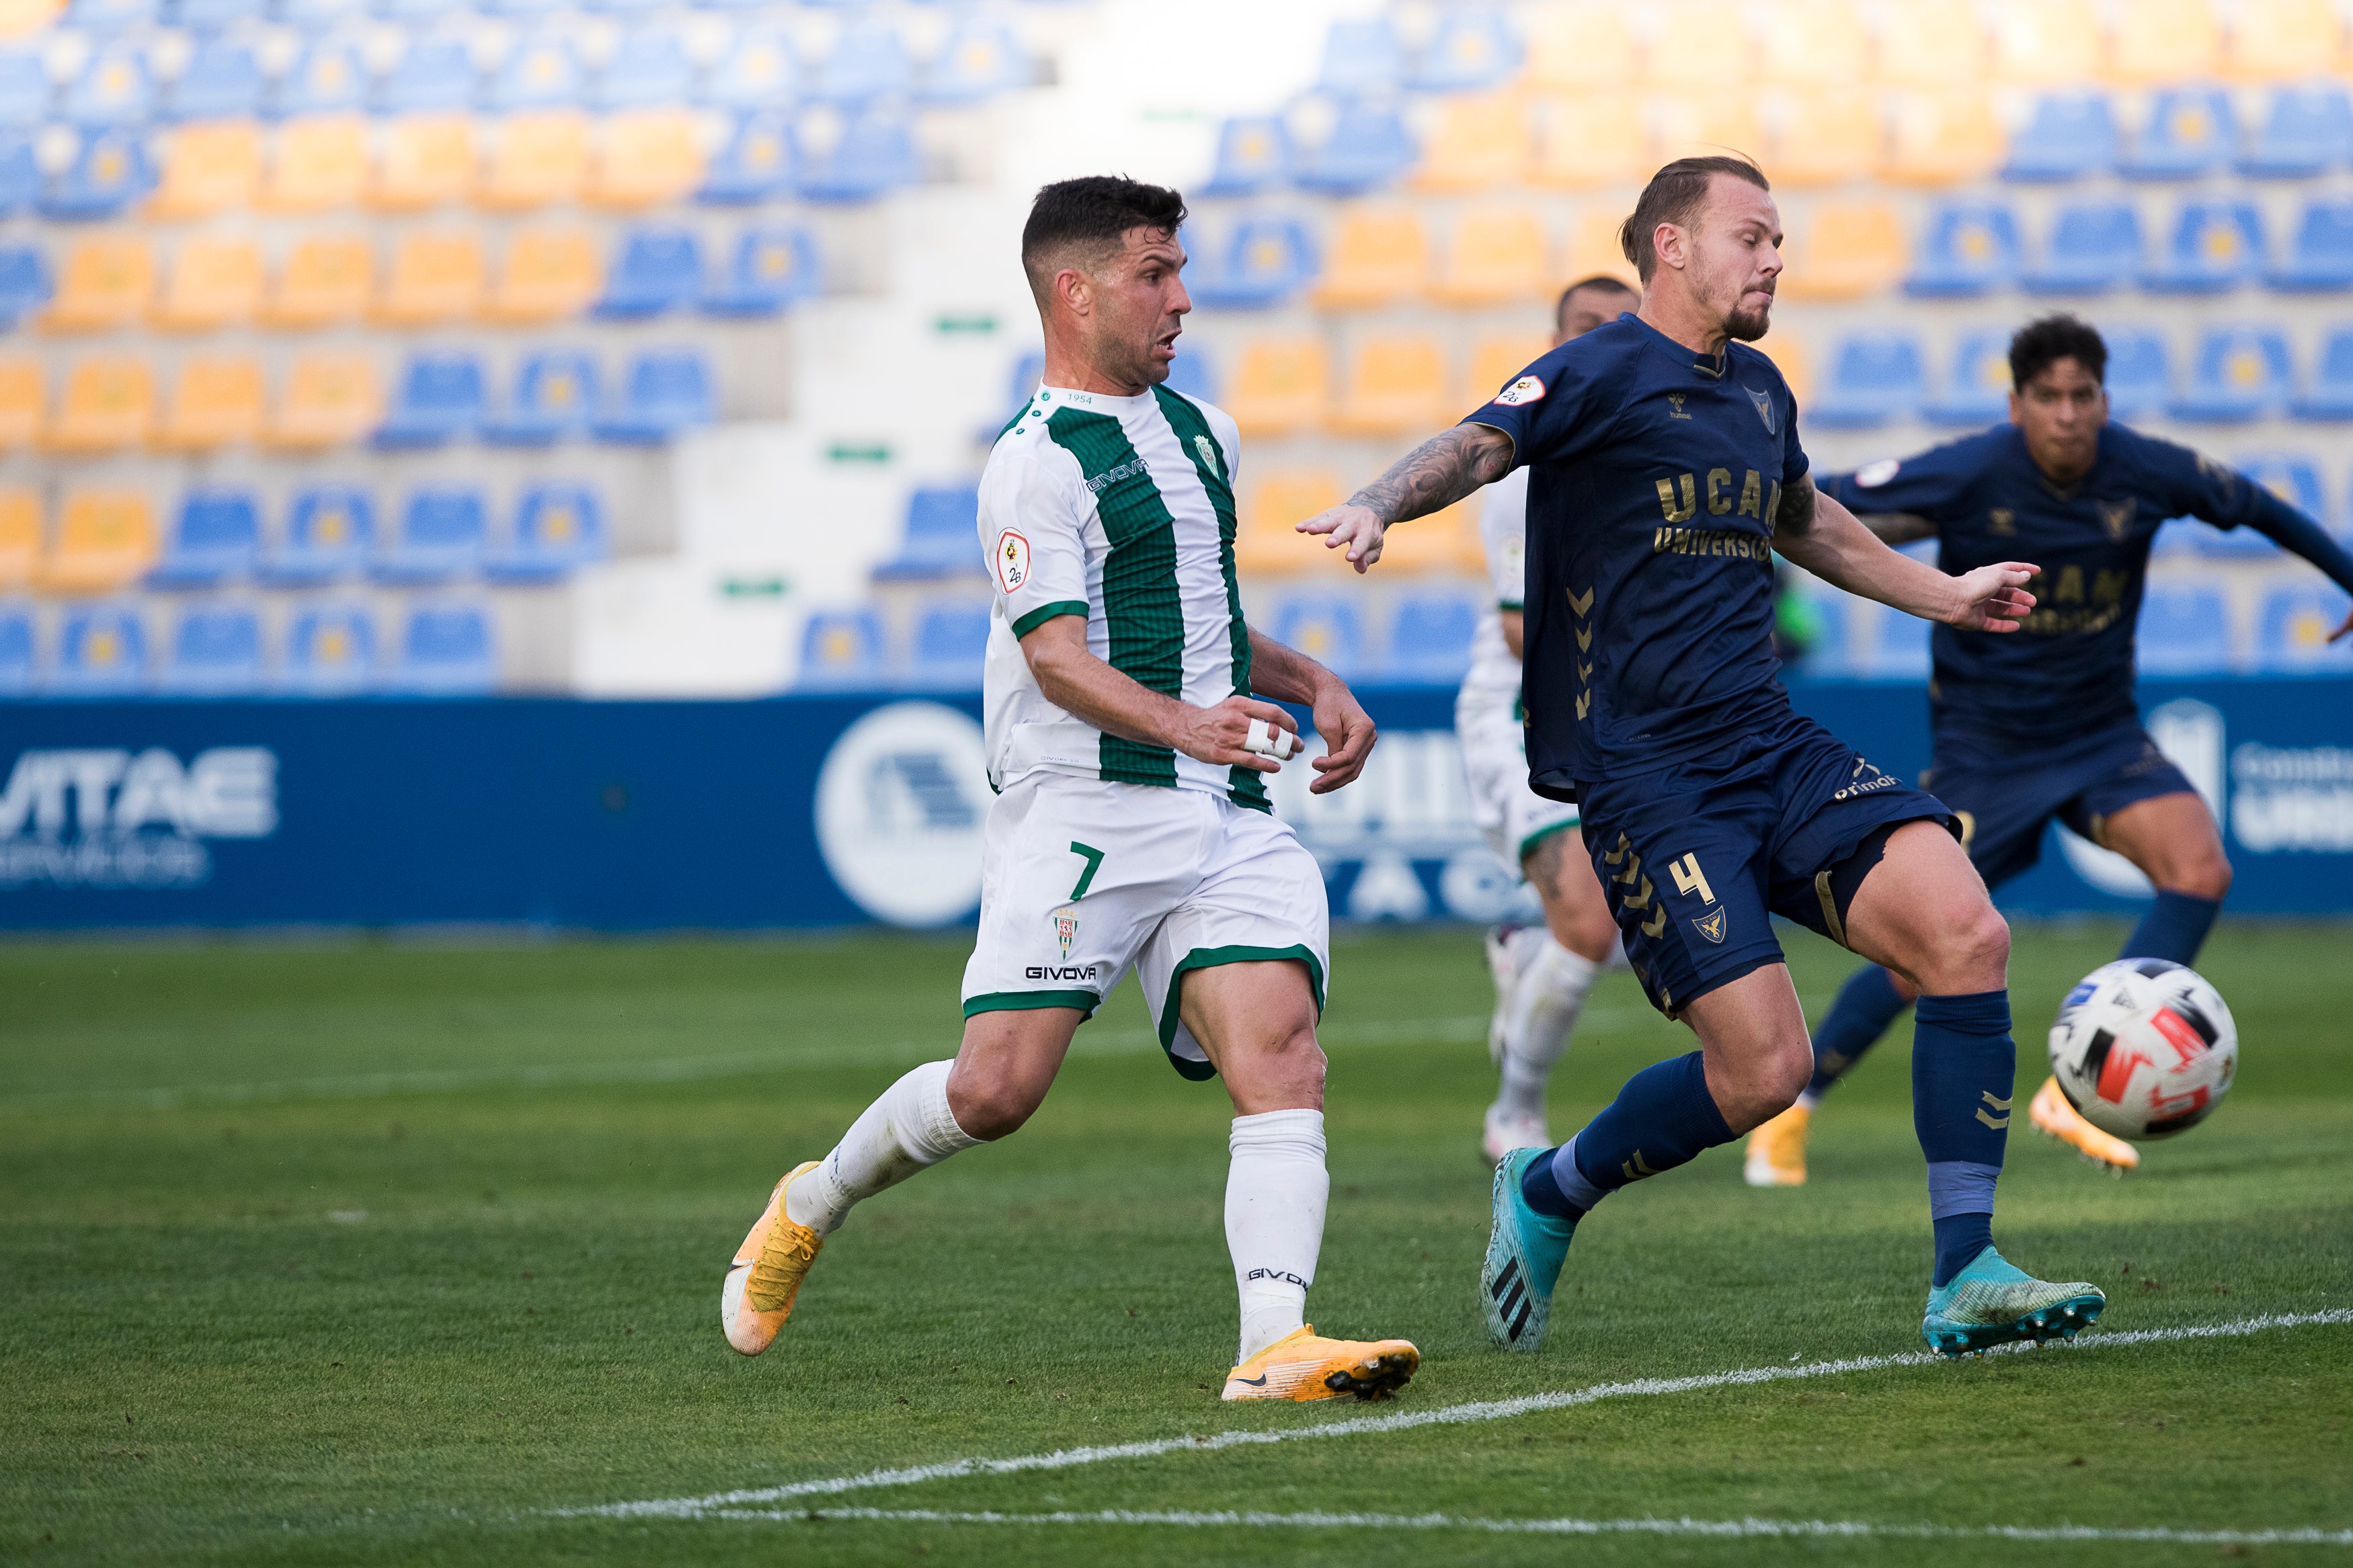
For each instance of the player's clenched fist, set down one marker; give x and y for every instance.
(1992, 598)
(1241, 732)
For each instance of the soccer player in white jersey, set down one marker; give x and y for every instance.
(1542, 973)
(1131, 828)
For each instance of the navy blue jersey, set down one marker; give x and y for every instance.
(1655, 477)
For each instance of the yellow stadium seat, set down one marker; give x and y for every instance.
(1849, 250)
(1496, 363)
(109, 405)
(321, 163)
(215, 403)
(1830, 137)
(106, 541)
(2165, 40)
(1790, 357)
(1478, 144)
(2047, 43)
(428, 162)
(1715, 124)
(214, 283)
(537, 158)
(1594, 139)
(648, 156)
(1593, 250)
(1931, 43)
(1444, 542)
(1816, 43)
(20, 536)
(208, 168)
(327, 278)
(550, 274)
(331, 398)
(436, 277)
(1269, 540)
(1944, 138)
(1396, 386)
(1497, 257)
(22, 18)
(1701, 41)
(1580, 46)
(24, 398)
(2276, 40)
(1380, 255)
(105, 283)
(1280, 386)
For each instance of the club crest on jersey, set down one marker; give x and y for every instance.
(1208, 450)
(1764, 405)
(2116, 516)
(1710, 926)
(1012, 561)
(1066, 927)
(1527, 389)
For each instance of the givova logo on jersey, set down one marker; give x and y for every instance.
(106, 817)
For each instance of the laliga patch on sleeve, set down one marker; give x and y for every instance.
(1012, 561)
(1527, 389)
(1871, 475)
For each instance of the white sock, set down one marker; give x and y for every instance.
(1546, 1000)
(1275, 1193)
(909, 1128)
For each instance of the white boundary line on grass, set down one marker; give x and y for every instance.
(715, 1504)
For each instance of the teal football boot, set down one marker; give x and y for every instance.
(1992, 1303)
(1525, 1252)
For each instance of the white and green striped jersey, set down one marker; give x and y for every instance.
(1120, 510)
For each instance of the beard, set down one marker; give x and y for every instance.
(1749, 325)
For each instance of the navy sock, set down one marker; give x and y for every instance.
(1662, 1118)
(1963, 1063)
(1866, 1004)
(1542, 1190)
(2174, 929)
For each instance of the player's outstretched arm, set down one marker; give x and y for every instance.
(1431, 478)
(1282, 672)
(1821, 535)
(1079, 683)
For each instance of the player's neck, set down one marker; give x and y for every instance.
(1677, 317)
(1070, 368)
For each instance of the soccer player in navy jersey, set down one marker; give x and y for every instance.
(1664, 471)
(2043, 724)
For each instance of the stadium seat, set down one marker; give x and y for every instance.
(2184, 629)
(1972, 247)
(1281, 385)
(445, 650)
(519, 8)
(327, 278)
(942, 537)
(215, 537)
(2240, 373)
(25, 283)
(1267, 542)
(1829, 137)
(1327, 627)
(1593, 250)
(1472, 48)
(2190, 132)
(24, 87)
(216, 402)
(101, 652)
(1444, 543)
(109, 405)
(1947, 138)
(23, 403)
(1496, 257)
(2094, 245)
(1899, 645)
(112, 89)
(1930, 44)
(223, 81)
(207, 169)
(331, 398)
(1875, 378)
(2046, 43)
(555, 396)
(874, 156)
(2330, 396)
(440, 536)
(558, 529)
(1851, 250)
(1497, 362)
(2279, 40)
(214, 283)
(215, 651)
(438, 399)
(1188, 373)
(2321, 258)
(1700, 41)
(428, 162)
(1696, 126)
(949, 647)
(330, 532)
(1395, 387)
(536, 158)
(17, 666)
(1977, 390)
(1477, 144)
(753, 164)
(649, 66)
(755, 72)
(437, 277)
(2140, 373)
(2216, 247)
(319, 162)
(431, 73)
(2307, 132)
(841, 650)
(106, 542)
(1361, 57)
(540, 72)
(2291, 477)
(866, 62)
(773, 266)
(646, 157)
(1430, 636)
(549, 274)
(665, 392)
(416, 11)
(20, 536)
(2071, 136)
(1380, 256)
(20, 173)
(1815, 44)
(980, 59)
(2293, 626)
(1253, 155)
(105, 285)
(328, 78)
(1266, 262)
(659, 270)
(109, 171)
(2165, 40)
(1368, 146)
(1578, 46)
(330, 652)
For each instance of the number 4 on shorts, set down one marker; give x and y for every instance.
(1093, 858)
(1689, 878)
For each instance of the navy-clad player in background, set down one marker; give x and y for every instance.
(1664, 471)
(2043, 724)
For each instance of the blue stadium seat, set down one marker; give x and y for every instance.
(979, 59)
(2330, 396)
(2094, 245)
(24, 87)
(660, 269)
(223, 81)
(950, 646)
(103, 652)
(441, 537)
(1899, 650)
(440, 399)
(109, 170)
(1368, 146)
(330, 530)
(773, 266)
(1267, 261)
(2185, 629)
(2308, 131)
(756, 72)
(624, 8)
(2322, 259)
(1972, 246)
(1874, 378)
(755, 163)
(113, 90)
(558, 529)
(540, 72)
(942, 536)
(1326, 628)
(667, 391)
(555, 396)
(1977, 390)
(2293, 477)
(20, 174)
(445, 650)
(875, 156)
(15, 650)
(2240, 373)
(1253, 154)
(330, 652)
(416, 10)
(1429, 640)
(650, 65)
(105, 18)
(1472, 48)
(433, 73)
(329, 78)
(24, 282)
(841, 650)
(1830, 617)
(2190, 132)
(1361, 57)
(2292, 630)
(216, 536)
(211, 15)
(1188, 373)
(1027, 372)
(519, 8)
(2071, 137)
(867, 62)
(215, 652)
(2140, 373)
(318, 15)
(2216, 247)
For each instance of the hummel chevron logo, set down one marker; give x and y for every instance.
(1997, 1124)
(1584, 639)
(1635, 1169)
(1583, 606)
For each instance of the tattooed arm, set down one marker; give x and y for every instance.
(1431, 478)
(1817, 533)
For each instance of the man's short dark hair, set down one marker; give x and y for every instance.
(2040, 344)
(1086, 218)
(1674, 196)
(1603, 281)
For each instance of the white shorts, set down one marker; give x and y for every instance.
(1509, 815)
(1082, 881)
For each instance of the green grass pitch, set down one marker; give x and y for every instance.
(371, 1253)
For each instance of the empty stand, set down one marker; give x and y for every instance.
(1595, 139)
(331, 398)
(950, 644)
(1495, 257)
(874, 155)
(556, 394)
(326, 279)
(2215, 247)
(2293, 625)
(1472, 47)
(330, 532)
(1379, 255)
(436, 277)
(2140, 372)
(1931, 44)
(1430, 638)
(2272, 40)
(2093, 247)
(2165, 40)
(1580, 47)
(1943, 138)
(755, 163)
(1254, 153)
(1977, 391)
(105, 542)
(1828, 136)
(558, 529)
(1395, 387)
(772, 267)
(1267, 543)
(1477, 144)
(662, 393)
(535, 159)
(2329, 396)
(659, 270)
(2307, 131)
(1280, 386)
(23, 402)
(2047, 41)
(108, 170)
(216, 538)
(2239, 373)
(109, 405)
(439, 535)
(2184, 629)
(439, 398)
(942, 537)
(217, 400)
(20, 536)
(1368, 147)
(214, 652)
(647, 157)
(1971, 249)
(1874, 378)
(429, 161)
(842, 651)
(1266, 262)
(213, 283)
(106, 283)
(1327, 627)
(318, 163)
(1816, 44)
(330, 652)
(2190, 132)
(101, 652)
(2320, 258)
(1851, 249)
(208, 169)
(548, 274)
(2071, 136)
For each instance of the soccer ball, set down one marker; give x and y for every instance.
(2144, 1048)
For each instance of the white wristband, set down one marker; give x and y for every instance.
(1271, 741)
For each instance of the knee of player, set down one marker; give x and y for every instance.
(1983, 941)
(989, 1106)
(2208, 876)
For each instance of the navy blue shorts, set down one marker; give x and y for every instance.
(1698, 856)
(2005, 797)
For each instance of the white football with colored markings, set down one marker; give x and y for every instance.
(2144, 1048)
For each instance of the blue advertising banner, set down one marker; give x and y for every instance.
(835, 810)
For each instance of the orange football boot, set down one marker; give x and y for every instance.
(2053, 1117)
(1301, 1365)
(768, 1273)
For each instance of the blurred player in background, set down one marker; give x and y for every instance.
(1542, 973)
(1130, 828)
(2043, 725)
